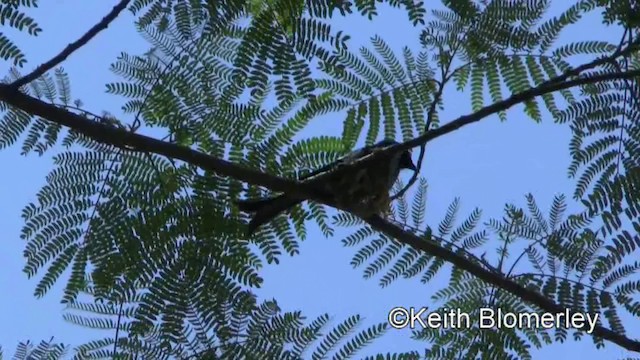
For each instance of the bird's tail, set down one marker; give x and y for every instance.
(265, 209)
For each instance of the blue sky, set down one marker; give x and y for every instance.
(486, 165)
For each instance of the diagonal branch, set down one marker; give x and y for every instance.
(103, 24)
(494, 278)
(551, 86)
(122, 138)
(557, 83)
(512, 101)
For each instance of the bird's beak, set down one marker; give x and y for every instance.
(413, 166)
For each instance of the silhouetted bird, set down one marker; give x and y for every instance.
(364, 190)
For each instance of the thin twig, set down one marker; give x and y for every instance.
(445, 76)
(115, 341)
(430, 115)
(103, 24)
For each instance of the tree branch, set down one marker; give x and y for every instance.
(557, 83)
(494, 278)
(545, 88)
(136, 142)
(103, 24)
(122, 138)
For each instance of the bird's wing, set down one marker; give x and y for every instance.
(346, 159)
(321, 170)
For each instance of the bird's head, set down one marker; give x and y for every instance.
(405, 158)
(406, 162)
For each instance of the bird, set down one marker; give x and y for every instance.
(364, 190)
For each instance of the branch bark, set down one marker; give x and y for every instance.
(121, 138)
(136, 142)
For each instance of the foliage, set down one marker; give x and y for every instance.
(12, 15)
(157, 252)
